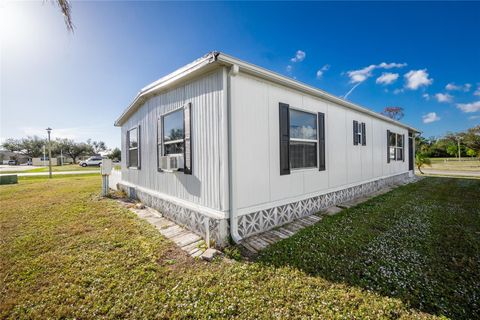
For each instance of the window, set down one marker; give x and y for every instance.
(303, 139)
(173, 133)
(133, 148)
(395, 142)
(359, 133)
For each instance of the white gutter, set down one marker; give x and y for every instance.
(233, 217)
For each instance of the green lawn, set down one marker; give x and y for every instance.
(412, 253)
(67, 167)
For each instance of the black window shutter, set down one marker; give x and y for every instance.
(187, 129)
(403, 147)
(355, 132)
(321, 141)
(284, 125)
(139, 149)
(364, 141)
(388, 146)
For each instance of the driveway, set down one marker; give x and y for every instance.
(29, 174)
(6, 168)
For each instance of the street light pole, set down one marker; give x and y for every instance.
(458, 141)
(49, 153)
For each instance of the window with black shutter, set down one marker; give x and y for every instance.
(302, 139)
(359, 133)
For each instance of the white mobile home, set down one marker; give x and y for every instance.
(227, 146)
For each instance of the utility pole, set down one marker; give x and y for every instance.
(49, 153)
(458, 141)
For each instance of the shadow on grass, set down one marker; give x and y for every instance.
(419, 243)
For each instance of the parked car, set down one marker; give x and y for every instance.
(92, 161)
(12, 162)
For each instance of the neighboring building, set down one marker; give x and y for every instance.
(9, 155)
(243, 149)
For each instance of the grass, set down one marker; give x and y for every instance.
(452, 164)
(65, 253)
(67, 167)
(419, 243)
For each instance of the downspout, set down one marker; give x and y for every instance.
(233, 218)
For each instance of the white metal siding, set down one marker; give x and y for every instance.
(207, 185)
(255, 126)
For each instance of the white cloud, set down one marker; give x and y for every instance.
(361, 75)
(426, 96)
(289, 68)
(473, 117)
(417, 78)
(469, 107)
(299, 56)
(453, 87)
(477, 92)
(384, 65)
(398, 91)
(443, 97)
(430, 117)
(322, 70)
(387, 78)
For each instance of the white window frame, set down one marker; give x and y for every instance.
(134, 148)
(395, 148)
(304, 140)
(166, 143)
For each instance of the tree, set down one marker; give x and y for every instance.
(66, 10)
(115, 154)
(31, 147)
(471, 152)
(73, 149)
(395, 113)
(420, 160)
(97, 146)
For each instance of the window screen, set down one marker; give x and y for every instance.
(173, 133)
(303, 139)
(133, 150)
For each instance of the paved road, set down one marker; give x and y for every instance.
(452, 173)
(29, 174)
(6, 169)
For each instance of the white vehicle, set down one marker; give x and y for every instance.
(92, 161)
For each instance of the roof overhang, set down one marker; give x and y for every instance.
(214, 59)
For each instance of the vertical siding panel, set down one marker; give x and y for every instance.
(203, 186)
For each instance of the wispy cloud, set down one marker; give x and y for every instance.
(417, 78)
(430, 117)
(453, 87)
(426, 96)
(299, 56)
(360, 75)
(387, 78)
(289, 68)
(473, 117)
(322, 70)
(443, 97)
(469, 107)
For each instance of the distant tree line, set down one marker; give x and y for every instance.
(447, 146)
(32, 147)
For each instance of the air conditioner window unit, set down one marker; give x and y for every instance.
(172, 162)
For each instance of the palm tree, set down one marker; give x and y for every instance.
(420, 160)
(66, 10)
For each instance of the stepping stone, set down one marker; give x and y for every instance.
(209, 254)
(186, 239)
(333, 210)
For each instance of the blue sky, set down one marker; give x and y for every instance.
(396, 54)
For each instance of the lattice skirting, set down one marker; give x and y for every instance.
(263, 220)
(190, 219)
